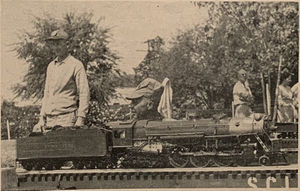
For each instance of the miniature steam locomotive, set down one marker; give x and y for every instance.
(159, 144)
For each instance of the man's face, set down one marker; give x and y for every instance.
(243, 77)
(60, 47)
(141, 105)
(288, 80)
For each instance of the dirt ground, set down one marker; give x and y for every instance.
(8, 153)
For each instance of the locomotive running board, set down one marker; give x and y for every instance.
(225, 177)
(208, 154)
(289, 150)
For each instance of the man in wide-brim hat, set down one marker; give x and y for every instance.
(66, 93)
(145, 99)
(152, 100)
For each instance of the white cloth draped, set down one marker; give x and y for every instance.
(165, 104)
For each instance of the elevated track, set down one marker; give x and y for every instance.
(215, 177)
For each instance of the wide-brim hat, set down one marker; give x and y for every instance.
(58, 35)
(146, 88)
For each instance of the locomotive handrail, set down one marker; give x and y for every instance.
(107, 130)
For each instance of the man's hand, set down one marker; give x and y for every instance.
(39, 127)
(246, 98)
(243, 97)
(79, 121)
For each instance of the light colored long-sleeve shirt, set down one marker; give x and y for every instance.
(66, 84)
(285, 96)
(241, 93)
(295, 94)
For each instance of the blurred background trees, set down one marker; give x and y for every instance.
(202, 62)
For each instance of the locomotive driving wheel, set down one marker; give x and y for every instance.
(176, 159)
(241, 161)
(224, 161)
(199, 161)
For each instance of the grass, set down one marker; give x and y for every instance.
(8, 153)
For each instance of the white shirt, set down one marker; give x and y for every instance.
(66, 84)
(240, 92)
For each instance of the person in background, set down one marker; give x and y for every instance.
(145, 99)
(295, 100)
(285, 111)
(152, 100)
(66, 94)
(242, 96)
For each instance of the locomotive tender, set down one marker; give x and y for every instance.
(157, 144)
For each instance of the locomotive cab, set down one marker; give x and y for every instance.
(121, 134)
(124, 134)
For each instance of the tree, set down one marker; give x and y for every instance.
(203, 61)
(88, 41)
(146, 68)
(256, 34)
(21, 119)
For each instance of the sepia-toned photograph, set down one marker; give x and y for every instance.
(149, 95)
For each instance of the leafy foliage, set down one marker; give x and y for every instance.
(203, 61)
(259, 32)
(21, 119)
(148, 67)
(88, 41)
